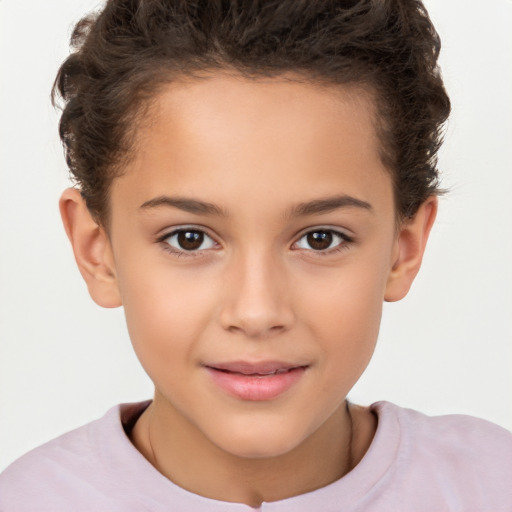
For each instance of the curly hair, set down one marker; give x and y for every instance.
(123, 54)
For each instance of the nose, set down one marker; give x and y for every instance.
(257, 298)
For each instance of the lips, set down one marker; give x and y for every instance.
(255, 381)
(244, 368)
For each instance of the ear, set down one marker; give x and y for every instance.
(410, 247)
(92, 249)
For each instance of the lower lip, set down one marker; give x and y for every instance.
(253, 387)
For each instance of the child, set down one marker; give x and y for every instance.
(253, 181)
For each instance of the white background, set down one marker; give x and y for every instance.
(447, 348)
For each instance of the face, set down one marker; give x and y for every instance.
(252, 237)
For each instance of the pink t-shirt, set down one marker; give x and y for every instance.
(415, 463)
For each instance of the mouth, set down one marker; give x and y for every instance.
(255, 381)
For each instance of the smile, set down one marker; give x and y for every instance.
(255, 382)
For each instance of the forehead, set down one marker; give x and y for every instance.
(227, 137)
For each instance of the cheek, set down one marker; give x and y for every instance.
(348, 297)
(166, 312)
(350, 322)
(345, 317)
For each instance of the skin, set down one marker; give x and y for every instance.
(256, 290)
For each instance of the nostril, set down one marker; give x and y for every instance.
(255, 330)
(256, 303)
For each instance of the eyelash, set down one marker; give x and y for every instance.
(182, 253)
(344, 244)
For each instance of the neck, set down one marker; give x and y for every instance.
(183, 454)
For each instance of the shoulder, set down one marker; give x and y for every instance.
(69, 470)
(459, 456)
(464, 435)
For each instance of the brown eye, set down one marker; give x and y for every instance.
(322, 240)
(188, 240)
(319, 240)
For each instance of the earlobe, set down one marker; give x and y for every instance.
(410, 247)
(92, 249)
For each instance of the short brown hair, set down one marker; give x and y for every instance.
(124, 53)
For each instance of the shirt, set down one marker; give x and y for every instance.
(415, 463)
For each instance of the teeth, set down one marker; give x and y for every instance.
(276, 372)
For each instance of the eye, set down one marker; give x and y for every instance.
(189, 240)
(322, 240)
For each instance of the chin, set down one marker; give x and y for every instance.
(257, 443)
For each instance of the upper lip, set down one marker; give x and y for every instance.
(259, 368)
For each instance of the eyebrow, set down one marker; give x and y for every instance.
(315, 207)
(328, 204)
(183, 203)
